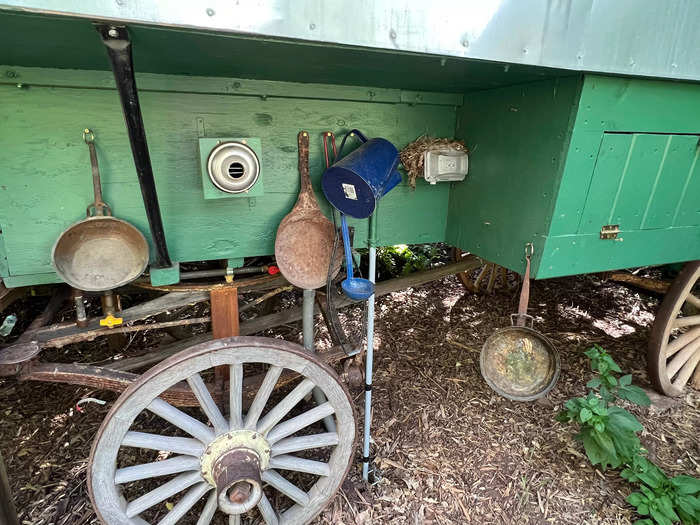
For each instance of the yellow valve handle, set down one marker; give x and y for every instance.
(111, 321)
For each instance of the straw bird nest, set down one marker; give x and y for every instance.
(412, 155)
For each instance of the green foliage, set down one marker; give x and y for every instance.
(401, 259)
(609, 437)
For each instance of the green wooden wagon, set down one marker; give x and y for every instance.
(582, 123)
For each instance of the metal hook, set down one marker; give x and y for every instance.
(529, 249)
(88, 136)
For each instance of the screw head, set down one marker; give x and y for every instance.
(210, 12)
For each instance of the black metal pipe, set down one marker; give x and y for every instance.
(116, 39)
(218, 272)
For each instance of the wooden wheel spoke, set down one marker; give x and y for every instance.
(263, 394)
(282, 408)
(176, 445)
(690, 320)
(267, 512)
(208, 404)
(209, 510)
(186, 503)
(287, 488)
(161, 493)
(681, 341)
(693, 299)
(156, 469)
(295, 424)
(307, 466)
(686, 371)
(675, 364)
(296, 444)
(236, 396)
(177, 417)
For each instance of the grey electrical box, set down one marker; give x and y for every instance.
(445, 165)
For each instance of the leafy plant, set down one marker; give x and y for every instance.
(609, 436)
(608, 433)
(402, 259)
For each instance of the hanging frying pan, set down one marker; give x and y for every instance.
(100, 252)
(518, 362)
(304, 242)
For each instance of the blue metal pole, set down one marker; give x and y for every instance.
(369, 358)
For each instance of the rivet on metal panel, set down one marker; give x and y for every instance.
(465, 41)
(392, 34)
(312, 26)
(210, 11)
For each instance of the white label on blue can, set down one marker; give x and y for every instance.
(349, 191)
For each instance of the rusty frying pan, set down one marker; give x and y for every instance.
(518, 362)
(304, 243)
(100, 252)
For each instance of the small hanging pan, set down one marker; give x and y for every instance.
(100, 252)
(304, 242)
(518, 362)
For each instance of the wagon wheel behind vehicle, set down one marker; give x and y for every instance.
(232, 460)
(488, 277)
(674, 345)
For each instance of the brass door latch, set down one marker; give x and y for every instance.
(610, 231)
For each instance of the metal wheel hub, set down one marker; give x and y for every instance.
(238, 480)
(233, 463)
(246, 440)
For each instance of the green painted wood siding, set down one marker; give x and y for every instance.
(517, 138)
(45, 181)
(632, 161)
(554, 161)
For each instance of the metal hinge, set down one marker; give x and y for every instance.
(609, 231)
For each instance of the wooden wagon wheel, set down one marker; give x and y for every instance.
(231, 465)
(674, 345)
(486, 278)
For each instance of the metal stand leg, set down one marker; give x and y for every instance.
(8, 515)
(307, 310)
(368, 366)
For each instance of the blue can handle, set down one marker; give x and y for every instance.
(346, 244)
(359, 134)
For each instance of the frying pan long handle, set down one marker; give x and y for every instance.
(303, 143)
(116, 40)
(346, 245)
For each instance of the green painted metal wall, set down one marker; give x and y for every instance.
(45, 181)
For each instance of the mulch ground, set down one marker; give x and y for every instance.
(447, 448)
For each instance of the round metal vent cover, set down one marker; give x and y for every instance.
(233, 167)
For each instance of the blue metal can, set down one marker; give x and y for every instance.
(355, 183)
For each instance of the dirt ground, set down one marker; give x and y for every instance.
(448, 449)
